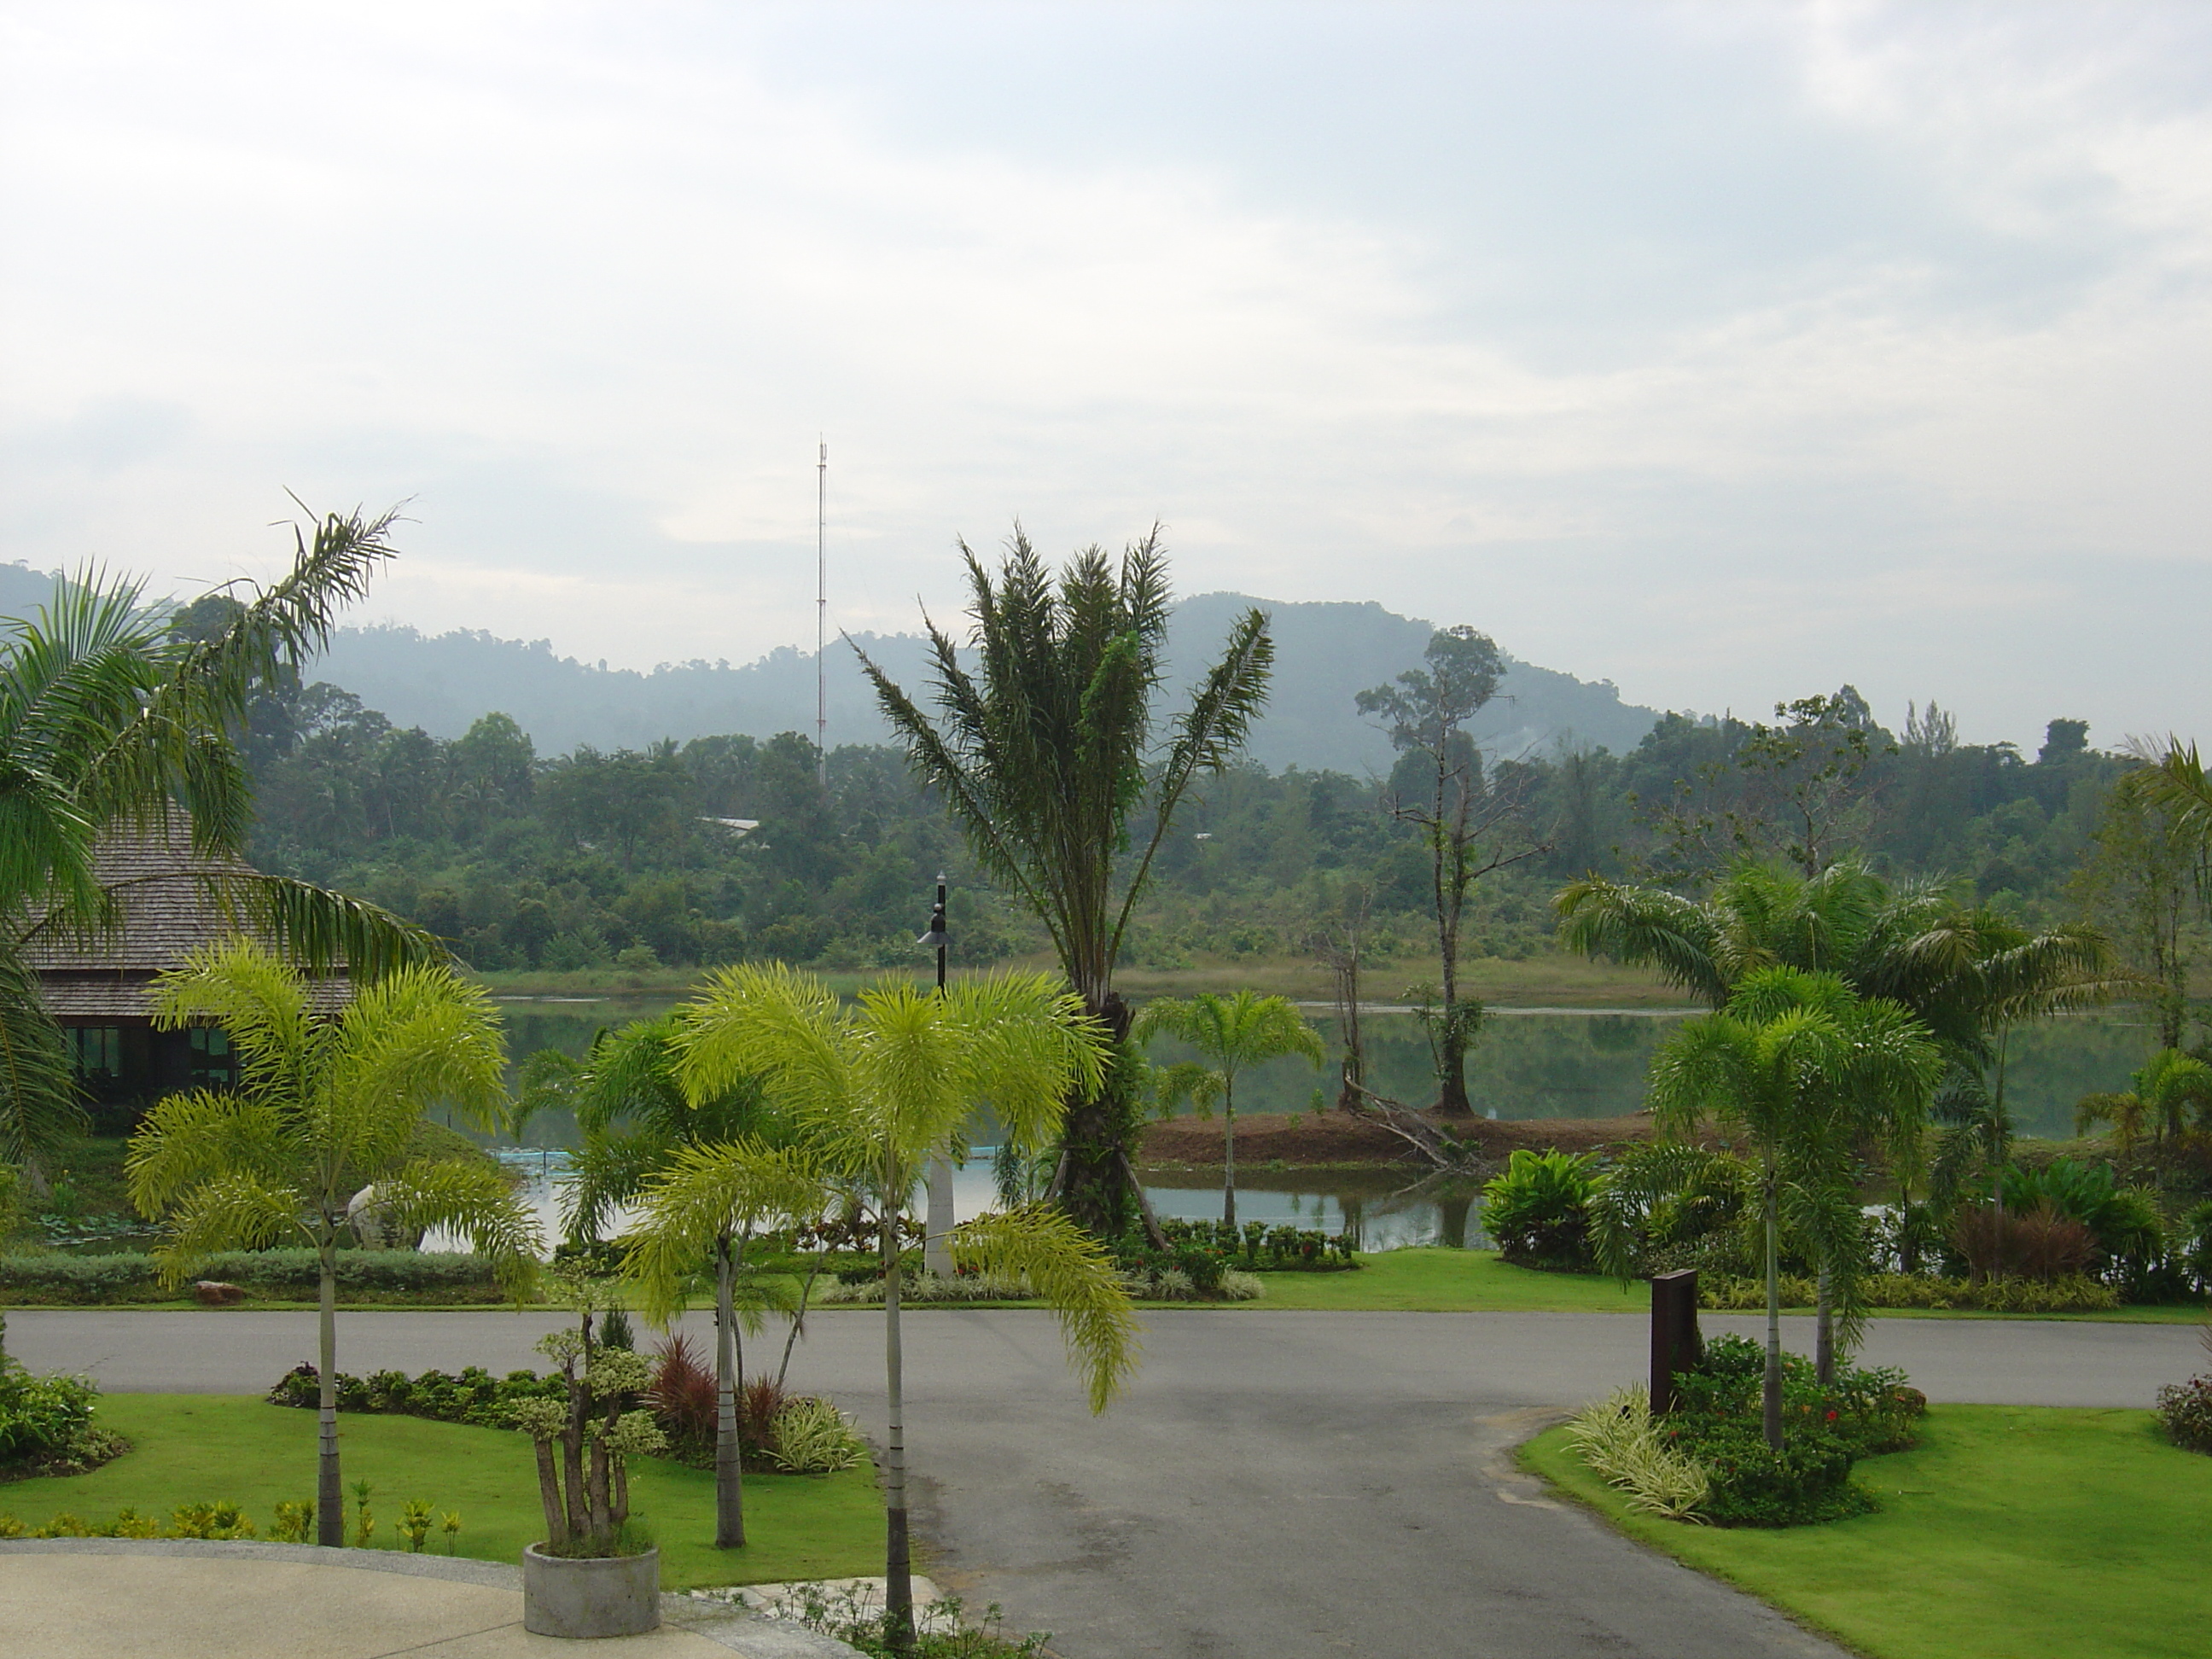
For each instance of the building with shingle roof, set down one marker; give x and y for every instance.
(96, 985)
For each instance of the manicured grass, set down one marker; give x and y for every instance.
(2008, 1533)
(1439, 1280)
(208, 1448)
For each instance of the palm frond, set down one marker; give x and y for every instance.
(1072, 1273)
(232, 1211)
(473, 1198)
(705, 1194)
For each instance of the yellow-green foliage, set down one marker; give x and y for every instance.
(1616, 1439)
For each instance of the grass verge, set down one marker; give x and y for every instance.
(2008, 1533)
(207, 1448)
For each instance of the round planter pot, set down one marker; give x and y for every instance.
(609, 1595)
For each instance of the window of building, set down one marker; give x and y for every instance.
(214, 1066)
(95, 1052)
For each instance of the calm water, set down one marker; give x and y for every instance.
(1530, 1063)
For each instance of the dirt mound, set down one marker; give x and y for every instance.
(1310, 1139)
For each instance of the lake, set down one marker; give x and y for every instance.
(1530, 1063)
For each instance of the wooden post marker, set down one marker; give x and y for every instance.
(1675, 1346)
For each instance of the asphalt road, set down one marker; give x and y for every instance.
(1273, 1484)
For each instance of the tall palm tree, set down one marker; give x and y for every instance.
(325, 1110)
(111, 723)
(1047, 752)
(1801, 1070)
(1235, 1033)
(883, 1086)
(634, 1123)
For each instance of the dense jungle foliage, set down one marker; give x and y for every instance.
(723, 848)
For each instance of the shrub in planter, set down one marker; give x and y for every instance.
(1536, 1210)
(592, 1437)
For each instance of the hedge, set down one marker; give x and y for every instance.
(51, 1278)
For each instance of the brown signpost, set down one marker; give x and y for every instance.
(1675, 1344)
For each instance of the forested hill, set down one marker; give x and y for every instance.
(1325, 655)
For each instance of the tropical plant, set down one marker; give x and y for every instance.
(633, 1121)
(882, 1085)
(1045, 754)
(1470, 825)
(110, 722)
(327, 1110)
(1800, 1070)
(2172, 1091)
(586, 1442)
(1967, 973)
(1235, 1033)
(1535, 1210)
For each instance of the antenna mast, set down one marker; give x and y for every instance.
(821, 627)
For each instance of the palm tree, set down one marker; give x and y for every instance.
(634, 1122)
(1046, 754)
(2169, 1086)
(1967, 972)
(326, 1109)
(881, 1087)
(111, 722)
(1234, 1032)
(1800, 1069)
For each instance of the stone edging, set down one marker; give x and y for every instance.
(732, 1627)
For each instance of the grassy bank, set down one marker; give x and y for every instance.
(207, 1448)
(2009, 1532)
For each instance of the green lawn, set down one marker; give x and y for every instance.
(208, 1448)
(2009, 1532)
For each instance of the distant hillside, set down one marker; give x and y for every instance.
(1325, 653)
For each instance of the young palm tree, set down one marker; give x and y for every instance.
(1235, 1033)
(2170, 1086)
(327, 1108)
(1046, 753)
(1801, 1070)
(635, 1124)
(881, 1087)
(109, 722)
(1967, 973)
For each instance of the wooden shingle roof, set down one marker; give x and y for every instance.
(168, 907)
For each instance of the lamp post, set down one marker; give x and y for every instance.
(936, 1251)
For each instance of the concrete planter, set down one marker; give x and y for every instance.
(609, 1595)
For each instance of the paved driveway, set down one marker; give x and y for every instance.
(1273, 1484)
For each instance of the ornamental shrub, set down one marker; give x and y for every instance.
(2184, 1411)
(475, 1396)
(47, 1421)
(1536, 1211)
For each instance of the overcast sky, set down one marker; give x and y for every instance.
(1728, 352)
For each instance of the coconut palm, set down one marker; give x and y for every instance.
(1046, 753)
(882, 1086)
(111, 722)
(327, 1110)
(1236, 1033)
(633, 1122)
(1801, 1070)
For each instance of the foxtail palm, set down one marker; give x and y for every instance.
(2170, 1088)
(881, 1087)
(1235, 1033)
(327, 1108)
(1801, 1070)
(110, 723)
(1045, 752)
(635, 1125)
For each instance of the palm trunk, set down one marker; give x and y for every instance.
(798, 1319)
(1771, 1388)
(330, 1491)
(1824, 1332)
(898, 1564)
(729, 1455)
(1228, 1158)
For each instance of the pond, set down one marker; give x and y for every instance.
(1529, 1063)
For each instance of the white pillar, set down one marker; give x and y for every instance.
(936, 1248)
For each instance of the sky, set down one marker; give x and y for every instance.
(1728, 352)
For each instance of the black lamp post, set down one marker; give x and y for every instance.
(938, 938)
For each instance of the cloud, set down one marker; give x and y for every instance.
(1703, 348)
